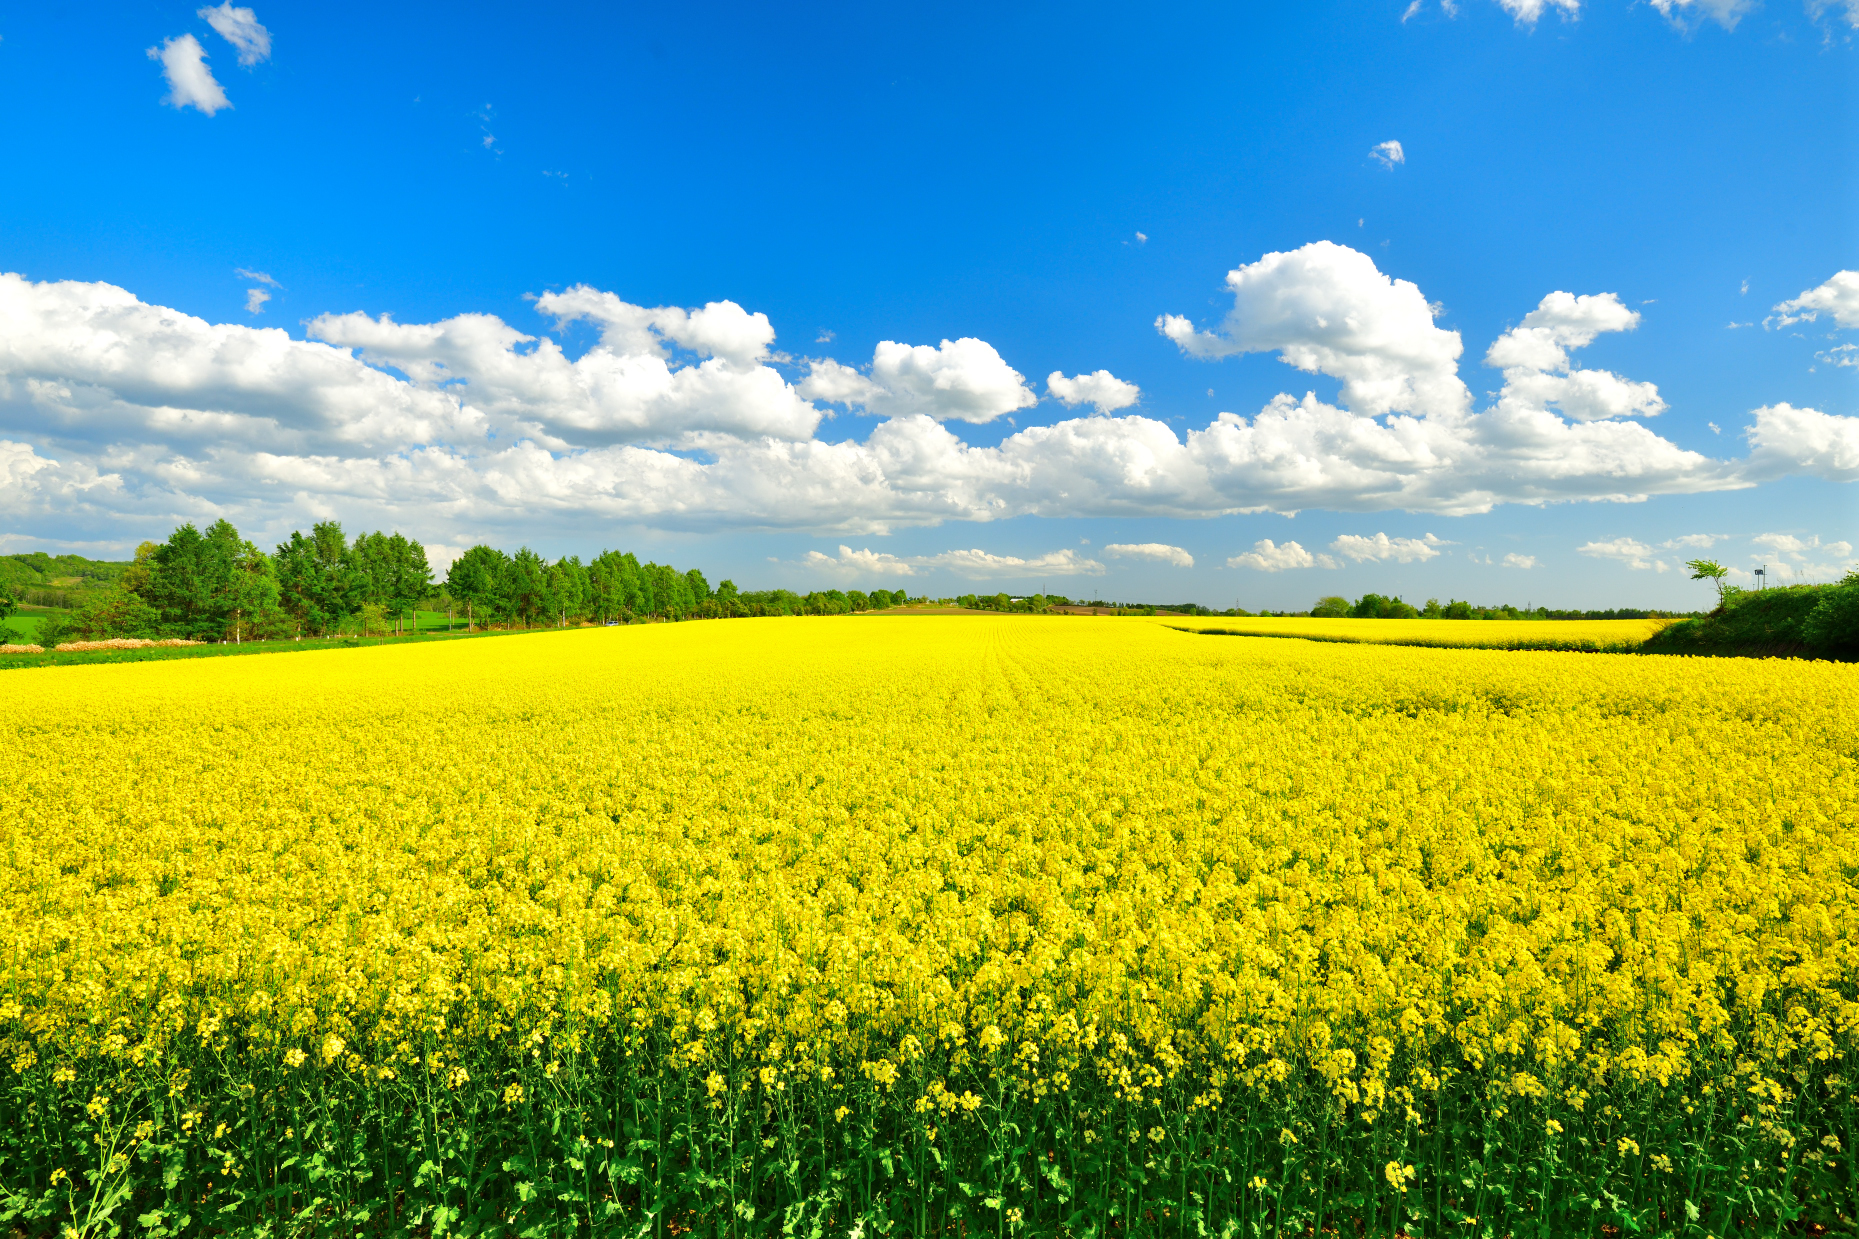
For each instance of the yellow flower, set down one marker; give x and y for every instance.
(931, 862)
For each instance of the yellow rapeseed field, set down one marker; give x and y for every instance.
(1592, 635)
(922, 925)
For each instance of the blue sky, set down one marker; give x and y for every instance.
(1037, 186)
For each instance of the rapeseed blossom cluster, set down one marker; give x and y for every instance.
(1042, 925)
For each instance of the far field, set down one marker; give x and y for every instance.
(1594, 635)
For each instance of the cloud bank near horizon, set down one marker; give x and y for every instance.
(116, 414)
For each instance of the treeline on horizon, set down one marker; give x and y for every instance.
(1375, 606)
(218, 586)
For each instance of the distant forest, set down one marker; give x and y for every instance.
(217, 586)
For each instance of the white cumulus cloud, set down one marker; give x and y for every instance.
(865, 562)
(1786, 440)
(1837, 298)
(974, 564)
(190, 83)
(1514, 560)
(1381, 547)
(1692, 542)
(1537, 374)
(1326, 309)
(1267, 557)
(630, 387)
(1389, 153)
(120, 415)
(240, 28)
(1798, 547)
(960, 380)
(1158, 552)
(1102, 389)
(255, 299)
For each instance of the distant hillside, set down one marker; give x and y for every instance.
(41, 580)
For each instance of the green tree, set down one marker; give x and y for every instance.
(607, 586)
(526, 585)
(570, 587)
(251, 595)
(116, 612)
(189, 578)
(317, 585)
(1712, 571)
(476, 579)
(1330, 607)
(412, 579)
(1833, 624)
(394, 572)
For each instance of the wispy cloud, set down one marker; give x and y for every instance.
(190, 82)
(1634, 554)
(240, 28)
(1528, 11)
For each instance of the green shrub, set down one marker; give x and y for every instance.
(1833, 624)
(1791, 620)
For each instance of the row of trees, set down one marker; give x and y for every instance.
(217, 586)
(1375, 606)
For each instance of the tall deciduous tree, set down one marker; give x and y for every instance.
(394, 571)
(569, 585)
(476, 579)
(316, 582)
(526, 585)
(252, 595)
